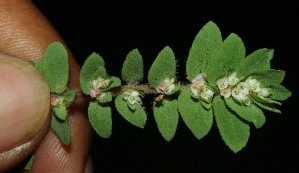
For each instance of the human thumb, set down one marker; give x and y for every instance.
(24, 105)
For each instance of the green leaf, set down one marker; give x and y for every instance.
(56, 67)
(226, 59)
(70, 96)
(163, 67)
(39, 65)
(132, 71)
(136, 117)
(265, 100)
(233, 131)
(116, 82)
(267, 106)
(198, 119)
(105, 97)
(257, 61)
(279, 92)
(100, 117)
(60, 112)
(270, 76)
(206, 105)
(206, 43)
(28, 162)
(249, 113)
(62, 130)
(167, 116)
(93, 65)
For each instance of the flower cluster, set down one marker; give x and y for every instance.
(98, 86)
(166, 87)
(57, 100)
(200, 89)
(132, 97)
(241, 91)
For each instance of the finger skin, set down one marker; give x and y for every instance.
(25, 33)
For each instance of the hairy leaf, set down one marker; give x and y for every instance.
(93, 65)
(105, 97)
(257, 61)
(70, 96)
(269, 107)
(270, 76)
(279, 92)
(163, 67)
(62, 130)
(116, 82)
(56, 67)
(198, 119)
(132, 70)
(136, 117)
(226, 59)
(167, 116)
(100, 118)
(206, 43)
(233, 131)
(250, 113)
(60, 112)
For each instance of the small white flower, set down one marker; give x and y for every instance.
(100, 83)
(200, 79)
(92, 93)
(195, 89)
(169, 81)
(222, 83)
(238, 94)
(167, 86)
(132, 97)
(226, 93)
(264, 92)
(244, 87)
(232, 78)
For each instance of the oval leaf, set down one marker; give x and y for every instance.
(226, 59)
(198, 119)
(257, 61)
(100, 118)
(60, 112)
(206, 43)
(62, 130)
(233, 131)
(167, 116)
(94, 64)
(250, 113)
(136, 117)
(132, 71)
(163, 67)
(279, 92)
(56, 67)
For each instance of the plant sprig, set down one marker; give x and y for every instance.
(224, 84)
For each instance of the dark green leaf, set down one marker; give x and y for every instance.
(100, 117)
(60, 112)
(62, 130)
(116, 82)
(257, 61)
(167, 116)
(198, 119)
(233, 131)
(206, 105)
(70, 96)
(250, 113)
(132, 71)
(270, 76)
(226, 59)
(269, 107)
(92, 67)
(136, 117)
(265, 100)
(279, 92)
(204, 46)
(163, 67)
(56, 67)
